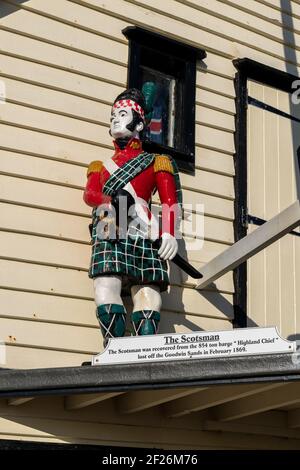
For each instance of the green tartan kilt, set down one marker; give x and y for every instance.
(134, 259)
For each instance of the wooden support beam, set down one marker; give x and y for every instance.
(19, 401)
(133, 402)
(211, 397)
(75, 402)
(250, 245)
(256, 429)
(294, 418)
(284, 395)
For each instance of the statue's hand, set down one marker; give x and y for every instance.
(169, 246)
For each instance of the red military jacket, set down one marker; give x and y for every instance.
(158, 175)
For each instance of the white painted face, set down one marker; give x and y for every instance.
(119, 120)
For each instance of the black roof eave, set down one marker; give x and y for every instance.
(156, 375)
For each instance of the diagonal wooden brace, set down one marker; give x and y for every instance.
(253, 243)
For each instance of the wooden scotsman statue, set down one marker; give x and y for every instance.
(129, 261)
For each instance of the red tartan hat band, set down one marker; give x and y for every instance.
(130, 104)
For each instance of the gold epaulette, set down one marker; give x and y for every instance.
(94, 167)
(163, 163)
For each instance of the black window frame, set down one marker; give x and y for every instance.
(177, 52)
(247, 69)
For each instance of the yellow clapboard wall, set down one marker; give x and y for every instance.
(63, 62)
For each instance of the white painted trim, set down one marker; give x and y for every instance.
(253, 243)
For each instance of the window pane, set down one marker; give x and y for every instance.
(161, 127)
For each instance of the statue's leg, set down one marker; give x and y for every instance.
(110, 311)
(146, 309)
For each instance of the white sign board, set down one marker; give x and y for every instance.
(196, 345)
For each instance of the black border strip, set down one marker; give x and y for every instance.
(240, 203)
(258, 221)
(261, 105)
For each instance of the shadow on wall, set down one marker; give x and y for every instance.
(174, 296)
(291, 67)
(9, 8)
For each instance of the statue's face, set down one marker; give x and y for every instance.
(119, 120)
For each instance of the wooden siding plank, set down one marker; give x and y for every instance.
(51, 224)
(215, 100)
(89, 20)
(26, 219)
(85, 18)
(44, 250)
(22, 357)
(213, 109)
(214, 82)
(256, 206)
(210, 160)
(54, 55)
(215, 138)
(208, 182)
(184, 323)
(51, 146)
(51, 196)
(61, 80)
(176, 29)
(78, 16)
(239, 15)
(268, 12)
(189, 15)
(289, 6)
(47, 308)
(32, 95)
(43, 194)
(53, 171)
(75, 283)
(46, 170)
(93, 87)
(42, 121)
(55, 32)
(272, 261)
(61, 337)
(215, 118)
(213, 206)
(68, 127)
(51, 251)
(141, 16)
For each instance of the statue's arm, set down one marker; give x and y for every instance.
(165, 183)
(93, 195)
(166, 186)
